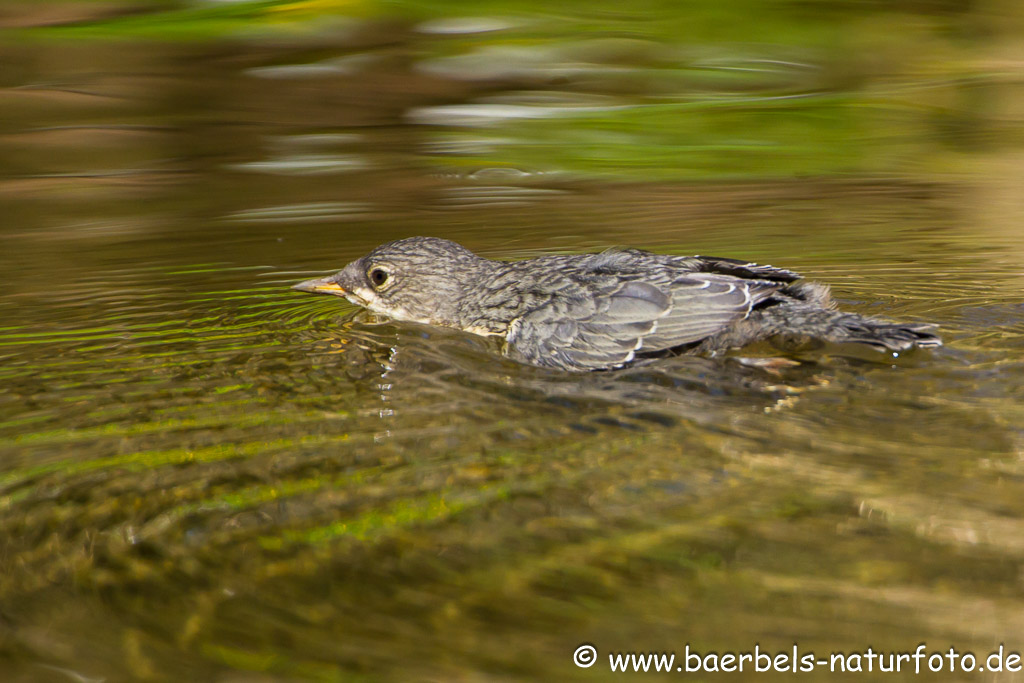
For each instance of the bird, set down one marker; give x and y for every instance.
(606, 310)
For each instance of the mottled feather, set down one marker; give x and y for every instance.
(594, 311)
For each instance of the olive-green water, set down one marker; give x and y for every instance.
(205, 476)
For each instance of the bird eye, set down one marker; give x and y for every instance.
(378, 276)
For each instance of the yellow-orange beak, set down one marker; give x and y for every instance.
(323, 285)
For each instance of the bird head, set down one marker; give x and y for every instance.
(419, 279)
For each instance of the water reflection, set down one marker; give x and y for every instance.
(205, 476)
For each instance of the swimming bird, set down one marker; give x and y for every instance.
(605, 310)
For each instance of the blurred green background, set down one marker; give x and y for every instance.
(207, 477)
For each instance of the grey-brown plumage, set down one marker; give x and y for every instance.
(597, 311)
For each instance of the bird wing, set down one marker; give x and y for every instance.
(706, 303)
(607, 326)
(744, 269)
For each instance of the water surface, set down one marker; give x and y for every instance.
(207, 476)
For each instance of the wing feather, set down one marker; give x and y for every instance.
(605, 325)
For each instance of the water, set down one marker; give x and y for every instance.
(207, 476)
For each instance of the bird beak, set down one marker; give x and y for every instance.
(323, 285)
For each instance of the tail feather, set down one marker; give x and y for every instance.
(885, 336)
(799, 320)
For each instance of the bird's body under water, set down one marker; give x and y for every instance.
(606, 310)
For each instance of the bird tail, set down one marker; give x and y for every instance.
(883, 335)
(793, 322)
